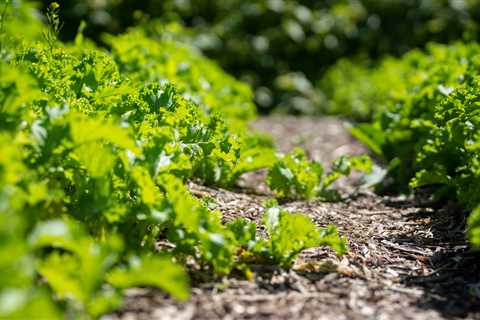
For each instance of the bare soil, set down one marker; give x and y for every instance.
(407, 260)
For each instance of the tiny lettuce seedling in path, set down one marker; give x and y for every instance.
(288, 235)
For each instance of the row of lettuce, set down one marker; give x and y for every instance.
(425, 119)
(96, 148)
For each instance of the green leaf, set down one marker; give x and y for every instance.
(293, 176)
(473, 229)
(85, 130)
(159, 272)
(369, 135)
(97, 158)
(245, 232)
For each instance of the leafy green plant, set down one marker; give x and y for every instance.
(288, 235)
(426, 128)
(88, 274)
(293, 176)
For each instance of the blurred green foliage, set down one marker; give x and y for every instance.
(282, 47)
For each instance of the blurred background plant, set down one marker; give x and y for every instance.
(282, 47)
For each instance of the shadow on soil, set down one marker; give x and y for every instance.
(453, 288)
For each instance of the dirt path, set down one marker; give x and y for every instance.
(407, 260)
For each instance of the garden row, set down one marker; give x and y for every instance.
(425, 119)
(96, 148)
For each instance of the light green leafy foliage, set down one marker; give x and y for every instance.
(283, 46)
(86, 272)
(18, 15)
(223, 101)
(69, 159)
(474, 228)
(427, 126)
(360, 99)
(20, 298)
(95, 153)
(403, 115)
(196, 78)
(293, 176)
(151, 271)
(288, 235)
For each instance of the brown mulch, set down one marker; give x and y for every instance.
(407, 260)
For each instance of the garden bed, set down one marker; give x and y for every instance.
(406, 261)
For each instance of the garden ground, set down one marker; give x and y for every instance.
(407, 260)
